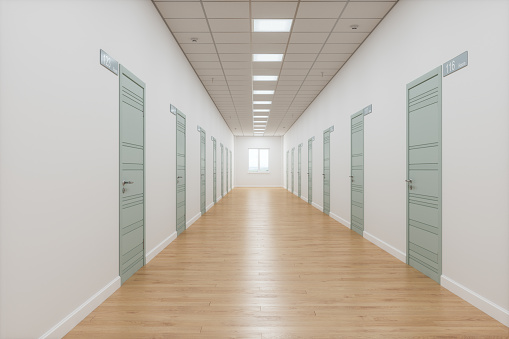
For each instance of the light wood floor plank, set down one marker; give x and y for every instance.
(264, 264)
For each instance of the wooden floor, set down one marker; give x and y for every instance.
(264, 264)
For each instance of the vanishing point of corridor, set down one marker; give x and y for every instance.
(262, 263)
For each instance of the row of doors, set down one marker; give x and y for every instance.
(424, 175)
(214, 171)
(132, 173)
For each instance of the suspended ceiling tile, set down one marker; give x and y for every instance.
(301, 57)
(270, 38)
(198, 48)
(273, 10)
(289, 82)
(313, 25)
(233, 48)
(319, 77)
(266, 85)
(372, 9)
(364, 25)
(180, 9)
(328, 64)
(239, 77)
(185, 38)
(269, 48)
(294, 71)
(326, 72)
(236, 64)
(202, 57)
(209, 72)
(304, 48)
(333, 57)
(339, 48)
(206, 64)
(235, 57)
(287, 87)
(232, 9)
(320, 9)
(347, 38)
(309, 38)
(232, 38)
(230, 26)
(297, 65)
(187, 25)
(265, 71)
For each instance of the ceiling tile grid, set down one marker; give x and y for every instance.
(219, 40)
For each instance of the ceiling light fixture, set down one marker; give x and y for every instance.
(262, 102)
(267, 57)
(261, 110)
(258, 129)
(262, 92)
(272, 25)
(265, 77)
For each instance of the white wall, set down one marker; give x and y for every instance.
(245, 179)
(416, 37)
(59, 150)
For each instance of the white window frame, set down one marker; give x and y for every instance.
(258, 170)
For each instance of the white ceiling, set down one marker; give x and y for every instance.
(320, 42)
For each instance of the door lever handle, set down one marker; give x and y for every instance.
(409, 180)
(179, 177)
(125, 182)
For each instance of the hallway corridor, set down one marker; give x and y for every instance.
(262, 263)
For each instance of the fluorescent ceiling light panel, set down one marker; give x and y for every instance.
(268, 57)
(258, 129)
(272, 25)
(264, 77)
(260, 116)
(261, 110)
(262, 102)
(263, 92)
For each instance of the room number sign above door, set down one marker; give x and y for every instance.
(108, 62)
(455, 64)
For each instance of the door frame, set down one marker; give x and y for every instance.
(178, 112)
(202, 131)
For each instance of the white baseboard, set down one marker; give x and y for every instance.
(304, 198)
(259, 186)
(315, 205)
(490, 308)
(385, 246)
(210, 206)
(162, 245)
(340, 220)
(192, 220)
(80, 313)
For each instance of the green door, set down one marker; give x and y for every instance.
(226, 158)
(287, 169)
(181, 172)
(357, 172)
(132, 174)
(222, 170)
(231, 172)
(203, 173)
(293, 161)
(214, 170)
(326, 171)
(424, 174)
(299, 177)
(310, 170)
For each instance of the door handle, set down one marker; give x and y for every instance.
(179, 177)
(125, 182)
(410, 186)
(351, 177)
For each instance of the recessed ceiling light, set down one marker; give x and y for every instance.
(258, 129)
(260, 116)
(268, 57)
(264, 77)
(261, 110)
(262, 92)
(262, 102)
(272, 25)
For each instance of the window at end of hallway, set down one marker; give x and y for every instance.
(258, 160)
